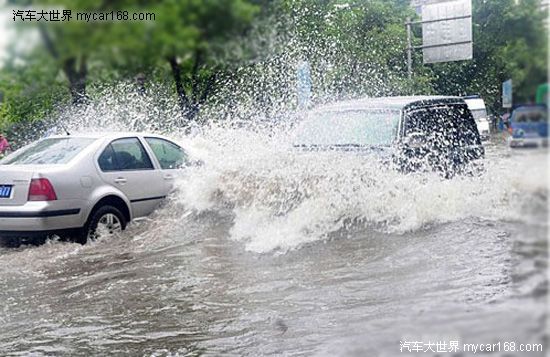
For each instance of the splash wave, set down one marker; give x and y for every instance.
(283, 198)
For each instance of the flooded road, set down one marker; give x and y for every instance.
(286, 256)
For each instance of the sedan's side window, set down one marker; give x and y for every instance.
(124, 155)
(169, 155)
(107, 160)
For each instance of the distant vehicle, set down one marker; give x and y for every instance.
(415, 133)
(528, 125)
(477, 106)
(81, 186)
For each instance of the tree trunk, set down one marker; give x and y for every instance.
(200, 88)
(180, 90)
(77, 79)
(210, 81)
(140, 80)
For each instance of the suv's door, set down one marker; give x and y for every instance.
(170, 157)
(125, 164)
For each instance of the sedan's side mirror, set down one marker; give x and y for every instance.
(415, 139)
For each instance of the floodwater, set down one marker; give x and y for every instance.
(263, 252)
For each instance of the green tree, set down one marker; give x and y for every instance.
(29, 90)
(246, 51)
(188, 36)
(193, 38)
(354, 47)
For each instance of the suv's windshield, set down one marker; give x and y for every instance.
(372, 127)
(48, 151)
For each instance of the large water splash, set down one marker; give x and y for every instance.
(282, 198)
(279, 197)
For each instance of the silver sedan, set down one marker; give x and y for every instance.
(81, 186)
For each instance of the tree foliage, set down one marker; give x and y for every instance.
(250, 48)
(186, 40)
(510, 42)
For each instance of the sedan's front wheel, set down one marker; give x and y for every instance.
(105, 221)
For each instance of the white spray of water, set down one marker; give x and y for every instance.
(282, 198)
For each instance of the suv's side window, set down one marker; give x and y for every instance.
(124, 155)
(453, 121)
(169, 155)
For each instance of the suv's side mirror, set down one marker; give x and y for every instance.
(415, 139)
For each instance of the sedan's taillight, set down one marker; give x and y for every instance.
(41, 189)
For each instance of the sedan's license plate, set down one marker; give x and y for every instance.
(5, 191)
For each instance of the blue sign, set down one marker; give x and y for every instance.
(507, 94)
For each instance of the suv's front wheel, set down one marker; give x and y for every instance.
(107, 220)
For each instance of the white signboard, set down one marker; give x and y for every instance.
(447, 31)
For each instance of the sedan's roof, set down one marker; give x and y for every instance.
(103, 135)
(397, 103)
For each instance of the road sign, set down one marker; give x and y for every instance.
(303, 74)
(447, 31)
(507, 94)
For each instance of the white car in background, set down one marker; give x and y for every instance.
(476, 105)
(84, 185)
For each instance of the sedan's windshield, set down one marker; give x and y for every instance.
(48, 151)
(372, 127)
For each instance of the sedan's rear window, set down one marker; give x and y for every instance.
(48, 151)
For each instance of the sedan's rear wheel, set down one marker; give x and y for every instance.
(105, 221)
(108, 224)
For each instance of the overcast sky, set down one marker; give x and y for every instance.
(23, 41)
(6, 33)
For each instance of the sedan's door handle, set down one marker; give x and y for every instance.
(168, 177)
(120, 180)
